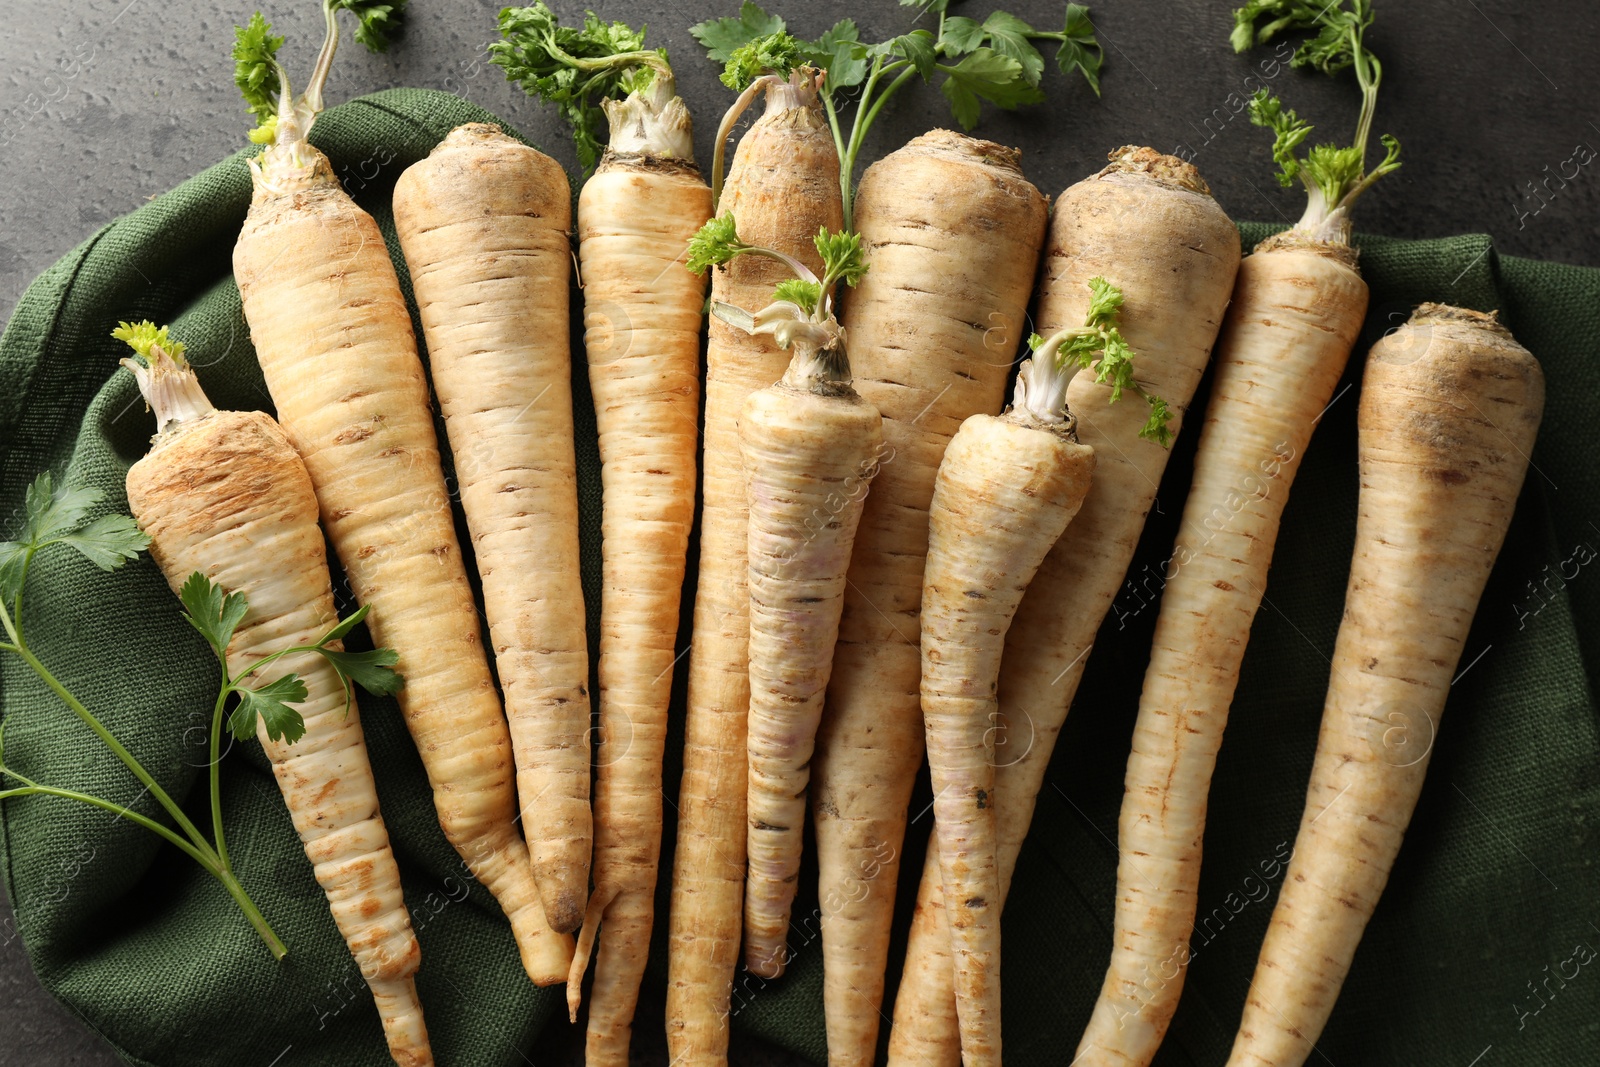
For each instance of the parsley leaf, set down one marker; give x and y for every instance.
(1080, 50)
(961, 35)
(722, 36)
(378, 21)
(53, 510)
(777, 53)
(13, 564)
(342, 628)
(801, 292)
(108, 542)
(1155, 427)
(1009, 35)
(372, 671)
(573, 67)
(714, 244)
(270, 703)
(917, 48)
(145, 336)
(58, 515)
(1288, 130)
(255, 67)
(839, 51)
(988, 75)
(842, 256)
(1098, 345)
(215, 614)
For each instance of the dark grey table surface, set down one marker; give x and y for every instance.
(106, 103)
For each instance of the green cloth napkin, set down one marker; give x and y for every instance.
(1493, 892)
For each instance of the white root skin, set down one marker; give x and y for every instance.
(483, 222)
(1147, 223)
(783, 185)
(1284, 345)
(952, 229)
(1006, 490)
(810, 457)
(642, 319)
(1450, 407)
(226, 495)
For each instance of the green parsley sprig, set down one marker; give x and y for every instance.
(1334, 176)
(997, 60)
(801, 314)
(1097, 345)
(577, 67)
(718, 243)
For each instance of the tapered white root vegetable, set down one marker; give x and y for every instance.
(811, 446)
(1006, 489)
(953, 232)
(783, 187)
(1298, 305)
(483, 222)
(224, 493)
(1450, 406)
(334, 340)
(1148, 223)
(642, 313)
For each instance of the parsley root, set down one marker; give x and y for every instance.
(333, 336)
(483, 223)
(1450, 407)
(1298, 306)
(953, 230)
(783, 187)
(1164, 218)
(223, 493)
(1006, 489)
(811, 446)
(643, 320)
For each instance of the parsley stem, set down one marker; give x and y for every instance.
(274, 944)
(312, 94)
(111, 742)
(32, 788)
(232, 683)
(22, 587)
(725, 129)
(842, 151)
(206, 858)
(216, 767)
(801, 271)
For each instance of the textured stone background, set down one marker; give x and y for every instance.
(106, 103)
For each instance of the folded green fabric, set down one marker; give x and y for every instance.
(1494, 890)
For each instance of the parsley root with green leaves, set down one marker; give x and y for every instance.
(333, 336)
(1136, 220)
(1006, 489)
(1439, 483)
(811, 446)
(783, 188)
(228, 504)
(1298, 306)
(643, 319)
(954, 230)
